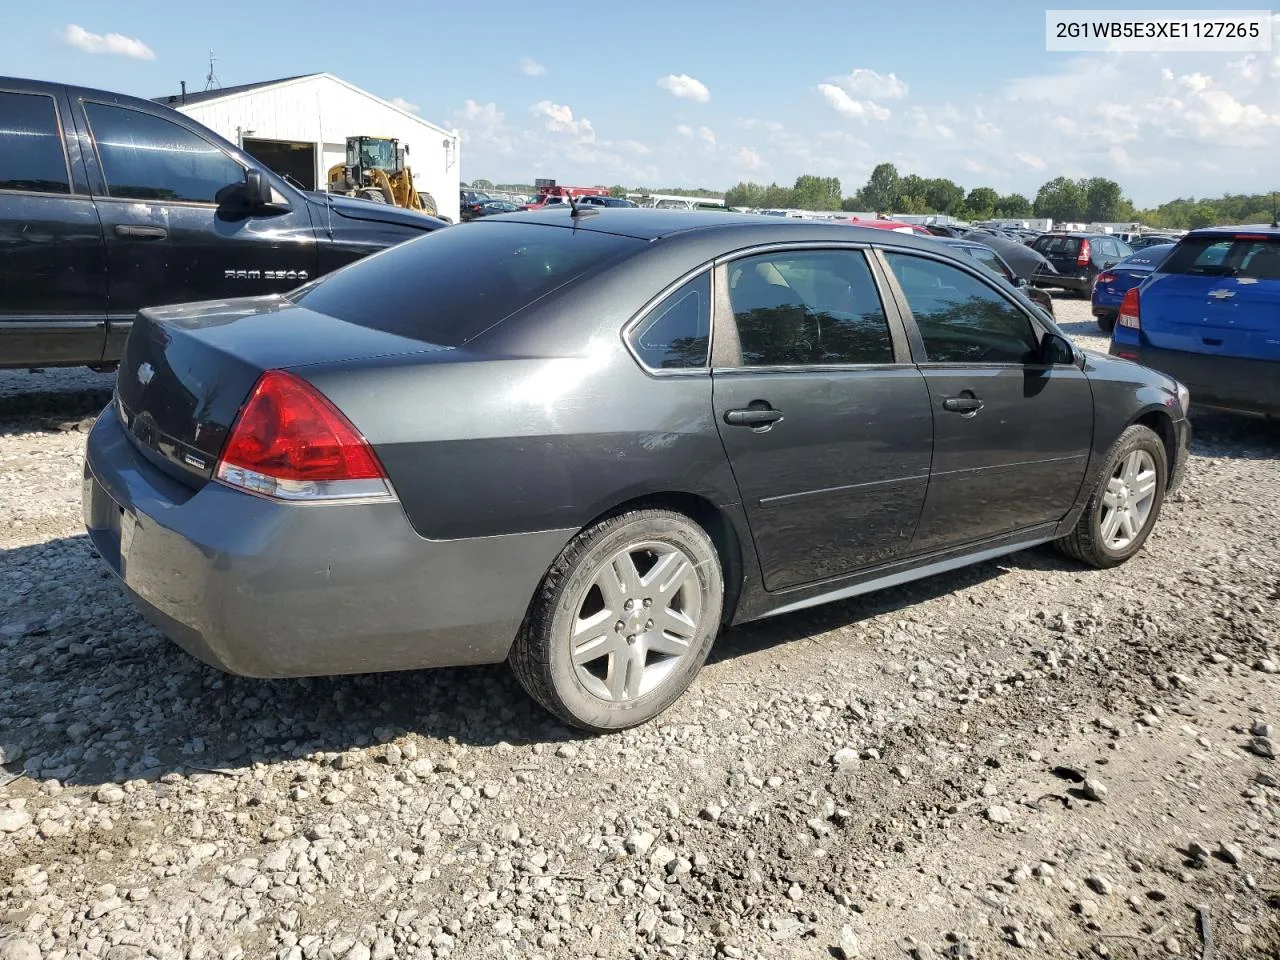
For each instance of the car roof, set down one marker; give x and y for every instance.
(967, 244)
(1079, 233)
(1255, 228)
(644, 223)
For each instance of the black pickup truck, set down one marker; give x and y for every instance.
(111, 203)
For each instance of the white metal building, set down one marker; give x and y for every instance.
(300, 125)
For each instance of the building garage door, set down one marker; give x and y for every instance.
(288, 158)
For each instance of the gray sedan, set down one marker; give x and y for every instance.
(586, 441)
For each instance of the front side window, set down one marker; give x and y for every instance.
(677, 332)
(960, 318)
(151, 158)
(808, 307)
(31, 156)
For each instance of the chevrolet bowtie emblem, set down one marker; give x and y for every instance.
(1222, 294)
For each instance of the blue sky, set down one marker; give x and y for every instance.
(706, 94)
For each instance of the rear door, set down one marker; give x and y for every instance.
(1217, 294)
(168, 238)
(53, 271)
(1011, 434)
(825, 421)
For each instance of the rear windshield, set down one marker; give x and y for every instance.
(1051, 245)
(1233, 256)
(451, 285)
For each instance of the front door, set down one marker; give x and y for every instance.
(53, 270)
(827, 429)
(1011, 434)
(169, 240)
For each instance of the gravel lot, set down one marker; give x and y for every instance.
(1022, 758)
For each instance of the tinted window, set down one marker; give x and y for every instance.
(1256, 257)
(962, 319)
(150, 158)
(808, 307)
(1059, 246)
(449, 286)
(1122, 248)
(989, 259)
(31, 156)
(677, 332)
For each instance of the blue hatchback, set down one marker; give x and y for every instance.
(1209, 316)
(1112, 284)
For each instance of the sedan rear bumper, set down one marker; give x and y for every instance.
(265, 589)
(1226, 383)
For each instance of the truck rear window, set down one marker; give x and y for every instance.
(1245, 256)
(453, 284)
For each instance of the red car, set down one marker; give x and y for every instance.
(888, 225)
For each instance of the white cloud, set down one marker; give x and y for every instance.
(1030, 160)
(844, 104)
(404, 104)
(532, 68)
(707, 135)
(484, 124)
(684, 130)
(684, 87)
(748, 159)
(558, 118)
(116, 43)
(868, 83)
(1195, 82)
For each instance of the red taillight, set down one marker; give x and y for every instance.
(1106, 278)
(1085, 254)
(290, 442)
(1130, 314)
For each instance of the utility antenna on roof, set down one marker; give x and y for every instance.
(211, 81)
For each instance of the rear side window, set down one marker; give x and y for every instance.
(808, 307)
(31, 155)
(449, 286)
(1244, 256)
(989, 259)
(677, 332)
(151, 158)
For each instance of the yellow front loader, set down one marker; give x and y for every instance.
(376, 170)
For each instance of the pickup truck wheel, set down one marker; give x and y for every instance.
(1125, 503)
(623, 620)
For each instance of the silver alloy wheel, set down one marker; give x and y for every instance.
(1128, 499)
(636, 620)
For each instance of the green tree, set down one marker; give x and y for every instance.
(1014, 205)
(618, 190)
(482, 184)
(883, 189)
(776, 197)
(943, 196)
(912, 203)
(816, 193)
(981, 202)
(1104, 201)
(853, 203)
(1062, 200)
(745, 194)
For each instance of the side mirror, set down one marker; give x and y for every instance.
(1057, 350)
(257, 188)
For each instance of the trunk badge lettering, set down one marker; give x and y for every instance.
(194, 461)
(145, 373)
(1221, 294)
(265, 275)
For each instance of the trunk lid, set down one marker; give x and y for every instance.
(187, 370)
(1217, 295)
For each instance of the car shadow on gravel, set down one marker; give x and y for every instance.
(53, 410)
(93, 694)
(1233, 436)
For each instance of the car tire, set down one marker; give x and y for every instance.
(1118, 519)
(611, 641)
(1106, 324)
